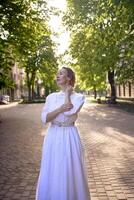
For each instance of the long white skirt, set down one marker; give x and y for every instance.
(63, 175)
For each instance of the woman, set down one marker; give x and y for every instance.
(62, 173)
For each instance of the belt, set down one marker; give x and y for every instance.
(62, 124)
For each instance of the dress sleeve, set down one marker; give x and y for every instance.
(77, 105)
(45, 110)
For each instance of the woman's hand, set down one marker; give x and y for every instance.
(65, 107)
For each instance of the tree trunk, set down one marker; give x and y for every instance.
(95, 92)
(29, 93)
(46, 91)
(38, 90)
(112, 85)
(29, 87)
(33, 83)
(32, 90)
(12, 94)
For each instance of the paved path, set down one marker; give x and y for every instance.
(107, 134)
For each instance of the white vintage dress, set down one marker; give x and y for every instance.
(63, 175)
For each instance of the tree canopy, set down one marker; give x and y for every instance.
(26, 39)
(102, 38)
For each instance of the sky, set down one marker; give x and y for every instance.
(56, 25)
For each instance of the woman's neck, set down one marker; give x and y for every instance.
(63, 88)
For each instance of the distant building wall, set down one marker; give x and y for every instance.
(17, 76)
(125, 90)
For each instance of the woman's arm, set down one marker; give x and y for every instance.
(77, 104)
(68, 93)
(67, 106)
(52, 115)
(48, 116)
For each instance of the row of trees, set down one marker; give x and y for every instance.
(102, 34)
(25, 38)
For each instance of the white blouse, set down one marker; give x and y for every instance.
(55, 100)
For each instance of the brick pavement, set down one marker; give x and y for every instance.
(20, 151)
(107, 135)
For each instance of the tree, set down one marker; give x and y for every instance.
(6, 62)
(42, 62)
(109, 25)
(86, 56)
(27, 37)
(12, 14)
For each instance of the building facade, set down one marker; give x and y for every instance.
(18, 76)
(125, 90)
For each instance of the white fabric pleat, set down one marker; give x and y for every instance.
(62, 172)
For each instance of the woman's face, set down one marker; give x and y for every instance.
(62, 78)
